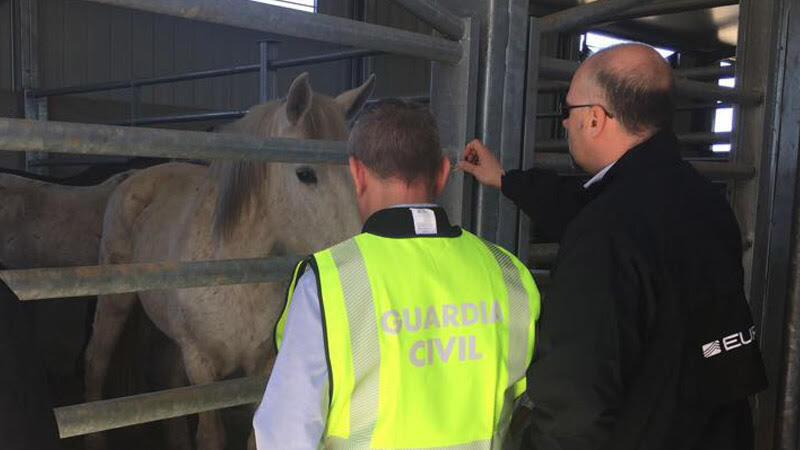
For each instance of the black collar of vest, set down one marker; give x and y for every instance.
(398, 222)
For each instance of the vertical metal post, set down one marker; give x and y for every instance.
(502, 99)
(452, 93)
(529, 129)
(767, 138)
(267, 80)
(29, 60)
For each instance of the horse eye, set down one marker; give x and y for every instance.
(306, 175)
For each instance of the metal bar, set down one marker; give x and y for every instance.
(202, 74)
(224, 115)
(267, 81)
(542, 255)
(501, 122)
(38, 284)
(61, 137)
(583, 15)
(197, 117)
(86, 418)
(328, 57)
(288, 22)
(452, 99)
(64, 162)
(563, 69)
(529, 129)
(711, 72)
(768, 136)
(440, 19)
(111, 85)
(560, 145)
(670, 7)
(562, 163)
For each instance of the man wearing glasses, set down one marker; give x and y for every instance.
(646, 340)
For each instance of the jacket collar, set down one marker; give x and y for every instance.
(658, 151)
(411, 222)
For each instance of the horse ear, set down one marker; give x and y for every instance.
(353, 100)
(298, 101)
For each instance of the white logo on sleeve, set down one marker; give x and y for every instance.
(729, 342)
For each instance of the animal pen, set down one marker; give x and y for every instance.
(485, 82)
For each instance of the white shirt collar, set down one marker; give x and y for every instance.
(598, 176)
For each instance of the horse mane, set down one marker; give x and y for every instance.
(238, 182)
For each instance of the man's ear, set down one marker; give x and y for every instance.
(441, 176)
(359, 174)
(597, 121)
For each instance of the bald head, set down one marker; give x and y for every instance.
(636, 84)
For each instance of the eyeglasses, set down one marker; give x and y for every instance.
(566, 109)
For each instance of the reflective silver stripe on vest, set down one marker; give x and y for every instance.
(335, 443)
(519, 314)
(364, 341)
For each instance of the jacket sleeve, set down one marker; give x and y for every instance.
(587, 332)
(551, 201)
(293, 412)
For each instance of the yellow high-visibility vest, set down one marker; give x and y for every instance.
(427, 338)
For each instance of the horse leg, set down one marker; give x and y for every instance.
(109, 321)
(201, 370)
(171, 374)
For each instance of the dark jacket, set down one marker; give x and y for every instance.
(645, 334)
(26, 415)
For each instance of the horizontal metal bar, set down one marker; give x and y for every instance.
(542, 255)
(61, 137)
(697, 138)
(723, 171)
(111, 85)
(274, 19)
(707, 73)
(669, 7)
(440, 19)
(701, 90)
(319, 59)
(87, 418)
(38, 284)
(179, 118)
(583, 15)
(686, 107)
(221, 115)
(64, 162)
(202, 74)
(564, 69)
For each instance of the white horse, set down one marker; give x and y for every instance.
(183, 212)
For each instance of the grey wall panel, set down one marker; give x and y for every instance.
(98, 45)
(5, 45)
(400, 75)
(164, 56)
(83, 42)
(142, 51)
(75, 42)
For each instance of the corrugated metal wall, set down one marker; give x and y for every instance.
(398, 75)
(5, 44)
(83, 42)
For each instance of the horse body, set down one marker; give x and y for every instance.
(181, 212)
(50, 225)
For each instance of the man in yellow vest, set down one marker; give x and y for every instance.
(414, 333)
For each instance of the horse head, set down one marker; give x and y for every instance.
(303, 207)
